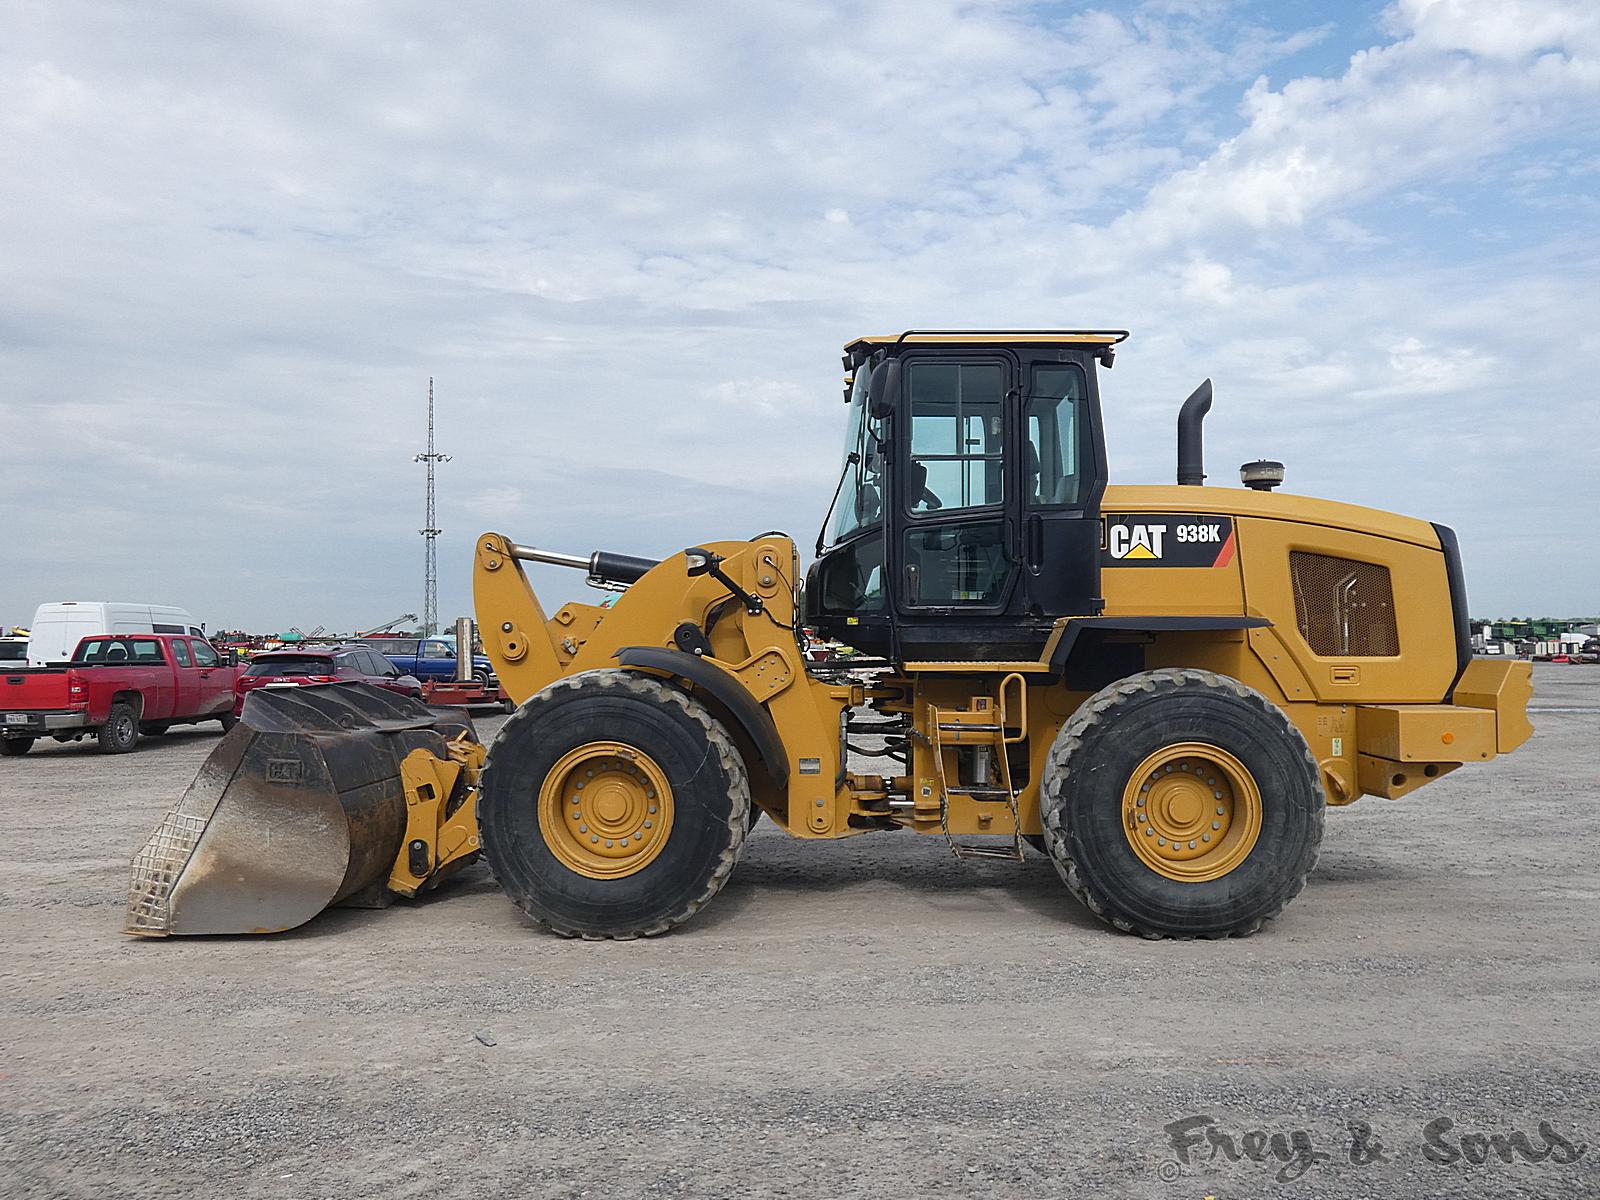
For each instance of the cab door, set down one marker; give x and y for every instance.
(186, 678)
(956, 552)
(215, 692)
(954, 546)
(438, 657)
(1062, 480)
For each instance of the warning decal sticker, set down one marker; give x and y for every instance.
(1166, 540)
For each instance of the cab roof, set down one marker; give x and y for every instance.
(991, 337)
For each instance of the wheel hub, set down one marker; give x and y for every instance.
(1191, 812)
(605, 810)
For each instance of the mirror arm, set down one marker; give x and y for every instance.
(850, 460)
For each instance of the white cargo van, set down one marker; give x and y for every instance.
(59, 627)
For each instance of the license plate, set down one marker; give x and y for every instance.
(16, 718)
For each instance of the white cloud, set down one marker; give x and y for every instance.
(629, 241)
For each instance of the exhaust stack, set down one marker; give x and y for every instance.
(1191, 451)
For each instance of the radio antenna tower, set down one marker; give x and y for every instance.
(430, 535)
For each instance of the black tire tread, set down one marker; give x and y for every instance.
(104, 734)
(661, 694)
(1100, 708)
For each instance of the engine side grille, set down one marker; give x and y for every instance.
(1344, 607)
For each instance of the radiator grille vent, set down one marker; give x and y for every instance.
(1344, 607)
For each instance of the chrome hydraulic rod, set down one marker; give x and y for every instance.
(615, 571)
(530, 554)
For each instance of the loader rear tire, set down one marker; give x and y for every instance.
(669, 788)
(1190, 752)
(120, 733)
(15, 747)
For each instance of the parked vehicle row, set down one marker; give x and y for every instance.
(121, 671)
(117, 688)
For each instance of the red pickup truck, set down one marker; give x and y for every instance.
(116, 687)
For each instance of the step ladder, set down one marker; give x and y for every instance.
(983, 723)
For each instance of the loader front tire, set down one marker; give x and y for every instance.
(612, 805)
(1181, 803)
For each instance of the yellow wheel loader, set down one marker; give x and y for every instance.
(1159, 688)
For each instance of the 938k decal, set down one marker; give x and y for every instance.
(1166, 540)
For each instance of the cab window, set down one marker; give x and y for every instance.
(957, 436)
(860, 501)
(1051, 473)
(204, 655)
(118, 650)
(954, 565)
(180, 652)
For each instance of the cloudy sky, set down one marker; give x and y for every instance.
(628, 239)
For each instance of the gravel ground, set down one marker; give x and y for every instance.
(867, 1018)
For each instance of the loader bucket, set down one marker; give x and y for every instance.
(300, 807)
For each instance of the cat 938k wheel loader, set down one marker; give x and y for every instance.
(1160, 688)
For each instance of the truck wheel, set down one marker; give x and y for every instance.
(15, 747)
(481, 677)
(1180, 803)
(612, 806)
(227, 721)
(120, 733)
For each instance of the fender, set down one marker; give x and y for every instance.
(1088, 663)
(753, 719)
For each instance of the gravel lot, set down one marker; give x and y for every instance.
(869, 1018)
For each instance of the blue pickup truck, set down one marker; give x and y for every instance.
(429, 658)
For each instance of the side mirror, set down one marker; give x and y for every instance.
(698, 561)
(883, 389)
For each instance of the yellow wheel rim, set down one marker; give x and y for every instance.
(605, 810)
(1191, 812)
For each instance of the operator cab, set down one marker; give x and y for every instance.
(968, 514)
